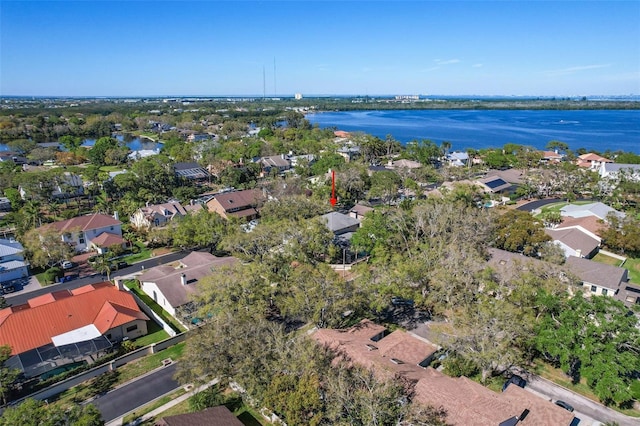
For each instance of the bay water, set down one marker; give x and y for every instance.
(598, 130)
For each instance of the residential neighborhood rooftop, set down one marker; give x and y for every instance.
(57, 313)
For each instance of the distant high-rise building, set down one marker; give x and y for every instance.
(298, 96)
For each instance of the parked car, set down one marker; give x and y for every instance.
(68, 277)
(121, 264)
(564, 405)
(7, 288)
(516, 380)
(67, 264)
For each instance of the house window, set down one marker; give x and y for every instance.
(604, 291)
(593, 289)
(132, 328)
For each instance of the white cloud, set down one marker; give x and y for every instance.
(446, 61)
(476, 65)
(573, 70)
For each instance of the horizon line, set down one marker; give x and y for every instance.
(314, 95)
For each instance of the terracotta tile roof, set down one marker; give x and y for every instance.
(593, 157)
(107, 239)
(48, 298)
(83, 223)
(113, 314)
(214, 416)
(550, 155)
(28, 327)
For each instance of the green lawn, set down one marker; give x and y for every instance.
(144, 254)
(155, 334)
(633, 266)
(603, 258)
(555, 207)
(131, 285)
(148, 363)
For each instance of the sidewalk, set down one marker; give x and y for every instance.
(150, 415)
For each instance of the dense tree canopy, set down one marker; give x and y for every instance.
(520, 232)
(596, 338)
(36, 413)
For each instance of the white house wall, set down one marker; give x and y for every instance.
(152, 290)
(73, 238)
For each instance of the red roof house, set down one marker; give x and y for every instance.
(69, 326)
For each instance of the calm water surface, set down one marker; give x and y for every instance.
(590, 129)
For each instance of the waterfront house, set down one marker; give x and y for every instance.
(615, 171)
(591, 161)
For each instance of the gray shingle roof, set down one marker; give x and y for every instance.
(337, 222)
(597, 273)
(574, 238)
(598, 209)
(196, 266)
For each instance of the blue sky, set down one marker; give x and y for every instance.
(164, 48)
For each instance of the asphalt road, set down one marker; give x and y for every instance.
(137, 393)
(20, 297)
(585, 409)
(539, 203)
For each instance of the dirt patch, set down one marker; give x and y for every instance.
(161, 251)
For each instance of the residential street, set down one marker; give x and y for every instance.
(32, 290)
(586, 409)
(136, 393)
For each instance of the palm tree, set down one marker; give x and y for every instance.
(103, 265)
(31, 215)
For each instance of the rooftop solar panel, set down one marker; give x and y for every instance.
(493, 184)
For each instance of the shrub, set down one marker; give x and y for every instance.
(51, 274)
(456, 366)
